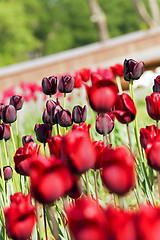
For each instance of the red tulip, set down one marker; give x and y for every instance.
(22, 158)
(118, 169)
(153, 154)
(50, 180)
(87, 220)
(82, 127)
(85, 74)
(102, 95)
(99, 146)
(76, 190)
(26, 139)
(125, 110)
(54, 144)
(108, 123)
(153, 106)
(95, 77)
(148, 135)
(77, 151)
(20, 217)
(117, 70)
(78, 80)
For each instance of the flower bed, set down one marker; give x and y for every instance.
(77, 169)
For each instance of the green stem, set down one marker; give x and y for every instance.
(5, 151)
(129, 137)
(3, 181)
(87, 184)
(95, 183)
(12, 138)
(64, 100)
(45, 221)
(44, 145)
(17, 134)
(141, 161)
(57, 129)
(118, 80)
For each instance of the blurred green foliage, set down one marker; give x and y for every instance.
(30, 29)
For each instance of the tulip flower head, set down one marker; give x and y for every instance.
(132, 69)
(49, 85)
(153, 106)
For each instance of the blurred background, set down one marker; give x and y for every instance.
(31, 29)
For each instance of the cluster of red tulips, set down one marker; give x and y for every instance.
(53, 191)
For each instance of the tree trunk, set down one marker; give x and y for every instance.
(100, 19)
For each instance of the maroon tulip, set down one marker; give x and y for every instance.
(66, 84)
(49, 85)
(148, 135)
(152, 154)
(87, 220)
(53, 114)
(9, 114)
(102, 95)
(117, 70)
(77, 151)
(132, 69)
(85, 74)
(1, 108)
(22, 158)
(20, 217)
(17, 101)
(125, 110)
(26, 139)
(153, 106)
(43, 132)
(156, 86)
(108, 122)
(99, 146)
(5, 131)
(54, 144)
(8, 172)
(49, 179)
(118, 170)
(50, 104)
(64, 118)
(46, 117)
(79, 114)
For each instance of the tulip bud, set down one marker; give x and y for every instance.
(79, 114)
(102, 95)
(152, 153)
(77, 80)
(1, 108)
(132, 69)
(17, 101)
(5, 131)
(49, 85)
(43, 132)
(46, 117)
(108, 122)
(156, 87)
(8, 172)
(9, 114)
(148, 135)
(99, 146)
(53, 114)
(50, 104)
(64, 118)
(26, 139)
(54, 144)
(125, 110)
(117, 70)
(153, 106)
(85, 74)
(66, 84)
(96, 77)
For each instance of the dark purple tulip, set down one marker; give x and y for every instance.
(132, 69)
(64, 118)
(53, 115)
(27, 139)
(9, 114)
(109, 123)
(8, 172)
(17, 101)
(5, 131)
(1, 108)
(66, 84)
(156, 86)
(46, 117)
(43, 132)
(49, 85)
(50, 104)
(79, 114)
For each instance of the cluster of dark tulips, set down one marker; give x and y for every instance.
(45, 190)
